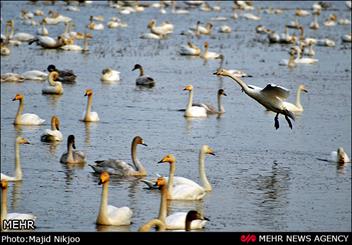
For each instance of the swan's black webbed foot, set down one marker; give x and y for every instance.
(289, 122)
(277, 125)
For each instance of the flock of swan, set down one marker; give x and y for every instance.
(272, 97)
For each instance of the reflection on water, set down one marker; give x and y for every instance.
(69, 170)
(273, 202)
(107, 228)
(16, 194)
(53, 99)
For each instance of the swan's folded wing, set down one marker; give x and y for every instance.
(187, 192)
(273, 90)
(113, 166)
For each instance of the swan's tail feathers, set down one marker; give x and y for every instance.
(150, 184)
(290, 115)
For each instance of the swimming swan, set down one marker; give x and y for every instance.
(18, 169)
(297, 107)
(180, 220)
(339, 156)
(110, 75)
(143, 80)
(48, 42)
(271, 97)
(108, 214)
(53, 134)
(88, 115)
(72, 156)
(119, 167)
(27, 118)
(209, 55)
(35, 75)
(54, 86)
(189, 49)
(182, 191)
(10, 216)
(193, 111)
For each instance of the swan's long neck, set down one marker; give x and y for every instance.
(85, 43)
(220, 107)
(188, 224)
(243, 85)
(202, 175)
(103, 210)
(298, 98)
(190, 100)
(51, 80)
(301, 36)
(141, 71)
(89, 105)
(291, 60)
(69, 152)
(154, 222)
(163, 203)
(20, 110)
(221, 63)
(171, 179)
(3, 205)
(138, 165)
(18, 168)
(12, 32)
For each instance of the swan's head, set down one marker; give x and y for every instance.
(221, 72)
(303, 88)
(4, 184)
(51, 68)
(168, 159)
(206, 44)
(88, 92)
(107, 70)
(341, 155)
(18, 97)
(21, 140)
(207, 150)
(151, 23)
(71, 141)
(209, 25)
(139, 140)
(103, 178)
(91, 18)
(188, 88)
(10, 23)
(193, 215)
(137, 66)
(160, 182)
(55, 122)
(222, 92)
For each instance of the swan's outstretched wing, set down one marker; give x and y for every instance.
(177, 221)
(273, 90)
(119, 216)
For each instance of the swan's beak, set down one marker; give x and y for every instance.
(26, 142)
(212, 153)
(134, 68)
(100, 182)
(144, 144)
(161, 161)
(73, 145)
(13, 99)
(224, 94)
(305, 90)
(205, 218)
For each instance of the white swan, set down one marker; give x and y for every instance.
(315, 24)
(250, 16)
(189, 49)
(150, 36)
(18, 169)
(27, 118)
(19, 36)
(108, 214)
(35, 75)
(225, 29)
(48, 42)
(43, 31)
(143, 80)
(339, 156)
(11, 77)
(209, 55)
(53, 134)
(182, 191)
(297, 107)
(160, 226)
(347, 38)
(54, 86)
(88, 115)
(161, 31)
(180, 220)
(271, 97)
(193, 111)
(119, 167)
(11, 216)
(72, 156)
(95, 26)
(110, 75)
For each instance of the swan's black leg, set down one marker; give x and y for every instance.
(277, 121)
(289, 122)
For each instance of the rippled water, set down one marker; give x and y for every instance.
(263, 179)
